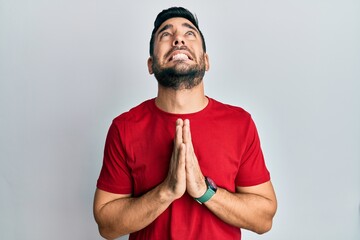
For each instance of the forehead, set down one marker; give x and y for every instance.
(176, 23)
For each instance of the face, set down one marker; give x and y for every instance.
(179, 60)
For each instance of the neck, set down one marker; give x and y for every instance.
(181, 101)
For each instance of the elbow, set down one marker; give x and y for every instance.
(109, 231)
(106, 230)
(105, 233)
(264, 228)
(108, 234)
(267, 222)
(103, 230)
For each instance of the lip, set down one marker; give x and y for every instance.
(176, 52)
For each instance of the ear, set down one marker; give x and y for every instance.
(207, 62)
(149, 63)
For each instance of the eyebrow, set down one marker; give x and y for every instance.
(167, 26)
(190, 26)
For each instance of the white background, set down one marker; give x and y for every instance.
(67, 68)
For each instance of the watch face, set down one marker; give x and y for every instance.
(211, 183)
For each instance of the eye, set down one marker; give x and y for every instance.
(164, 35)
(191, 35)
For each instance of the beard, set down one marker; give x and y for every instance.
(180, 76)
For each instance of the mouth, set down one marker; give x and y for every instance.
(180, 56)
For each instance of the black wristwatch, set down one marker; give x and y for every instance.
(211, 190)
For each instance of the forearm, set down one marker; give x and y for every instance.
(243, 210)
(118, 215)
(126, 215)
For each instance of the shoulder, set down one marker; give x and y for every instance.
(228, 110)
(136, 113)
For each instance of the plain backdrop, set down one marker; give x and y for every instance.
(67, 68)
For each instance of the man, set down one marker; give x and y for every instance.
(164, 158)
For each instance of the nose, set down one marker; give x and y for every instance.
(178, 40)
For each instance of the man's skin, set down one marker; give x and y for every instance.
(251, 208)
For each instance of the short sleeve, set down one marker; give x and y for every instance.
(252, 170)
(115, 174)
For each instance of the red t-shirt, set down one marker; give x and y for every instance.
(137, 153)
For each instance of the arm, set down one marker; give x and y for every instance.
(251, 208)
(120, 214)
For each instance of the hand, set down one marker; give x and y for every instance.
(195, 180)
(175, 182)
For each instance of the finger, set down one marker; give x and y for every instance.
(179, 121)
(176, 179)
(186, 131)
(179, 132)
(181, 158)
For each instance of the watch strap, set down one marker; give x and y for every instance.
(210, 191)
(206, 197)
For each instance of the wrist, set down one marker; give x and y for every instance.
(202, 188)
(166, 195)
(211, 189)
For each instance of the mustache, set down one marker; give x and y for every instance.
(177, 48)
